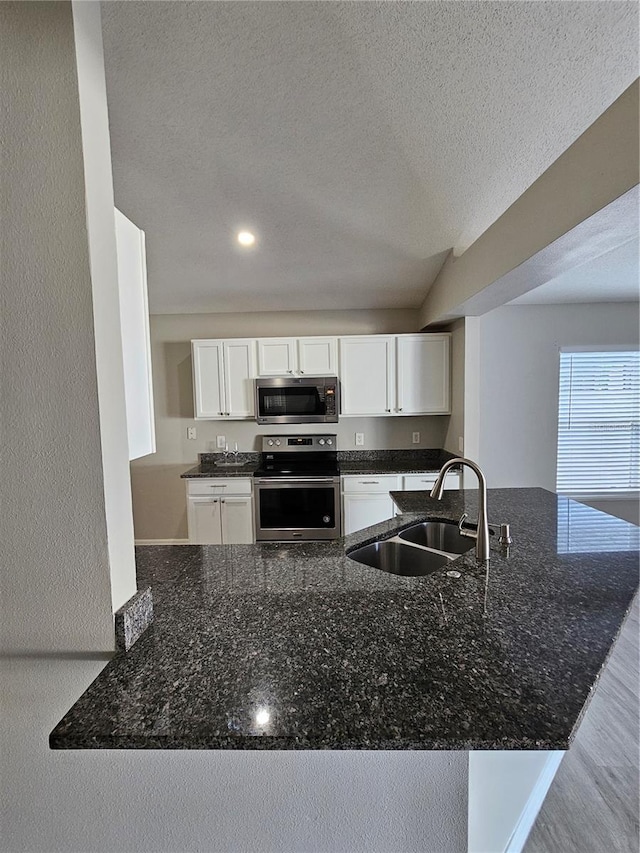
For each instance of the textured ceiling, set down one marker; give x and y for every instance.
(360, 140)
(611, 277)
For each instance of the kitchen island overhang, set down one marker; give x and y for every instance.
(296, 646)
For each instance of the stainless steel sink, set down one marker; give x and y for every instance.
(441, 535)
(398, 558)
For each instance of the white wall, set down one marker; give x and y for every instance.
(519, 363)
(159, 504)
(55, 560)
(214, 801)
(55, 556)
(100, 225)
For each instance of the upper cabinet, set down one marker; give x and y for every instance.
(422, 374)
(395, 374)
(136, 346)
(316, 356)
(367, 374)
(223, 373)
(380, 375)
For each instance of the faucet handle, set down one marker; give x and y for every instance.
(470, 534)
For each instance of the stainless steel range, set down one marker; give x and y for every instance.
(297, 488)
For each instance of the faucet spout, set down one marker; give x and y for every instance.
(482, 533)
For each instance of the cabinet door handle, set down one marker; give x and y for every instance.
(222, 501)
(400, 409)
(388, 410)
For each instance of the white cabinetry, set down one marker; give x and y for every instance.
(422, 374)
(421, 482)
(223, 373)
(380, 375)
(366, 500)
(136, 347)
(220, 511)
(367, 374)
(318, 356)
(395, 374)
(315, 356)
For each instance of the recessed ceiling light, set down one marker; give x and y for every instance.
(245, 238)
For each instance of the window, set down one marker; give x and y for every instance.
(599, 423)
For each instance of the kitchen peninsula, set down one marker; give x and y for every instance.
(296, 646)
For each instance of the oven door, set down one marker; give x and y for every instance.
(290, 509)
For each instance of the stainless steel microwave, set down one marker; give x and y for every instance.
(297, 400)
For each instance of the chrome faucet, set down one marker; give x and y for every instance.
(482, 534)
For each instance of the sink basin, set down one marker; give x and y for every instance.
(399, 559)
(441, 535)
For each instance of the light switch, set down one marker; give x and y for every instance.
(415, 437)
(460, 444)
(191, 433)
(359, 439)
(221, 442)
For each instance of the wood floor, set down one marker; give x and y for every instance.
(592, 806)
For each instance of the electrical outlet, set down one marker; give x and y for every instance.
(221, 442)
(415, 437)
(191, 433)
(460, 444)
(359, 439)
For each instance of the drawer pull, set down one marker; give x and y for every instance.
(369, 482)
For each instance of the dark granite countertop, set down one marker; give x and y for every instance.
(296, 646)
(211, 470)
(350, 461)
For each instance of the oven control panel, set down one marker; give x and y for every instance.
(299, 443)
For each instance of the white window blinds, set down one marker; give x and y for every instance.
(599, 423)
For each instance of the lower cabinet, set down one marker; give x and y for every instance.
(417, 482)
(366, 500)
(220, 511)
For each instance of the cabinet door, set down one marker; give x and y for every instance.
(203, 519)
(423, 374)
(136, 347)
(318, 356)
(367, 370)
(239, 373)
(362, 511)
(420, 482)
(208, 379)
(276, 356)
(237, 520)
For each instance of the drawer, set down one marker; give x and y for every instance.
(416, 482)
(369, 483)
(219, 486)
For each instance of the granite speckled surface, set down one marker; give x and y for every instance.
(133, 619)
(350, 462)
(296, 646)
(392, 461)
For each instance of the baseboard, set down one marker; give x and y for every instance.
(162, 542)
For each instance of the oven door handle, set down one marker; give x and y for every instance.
(296, 480)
